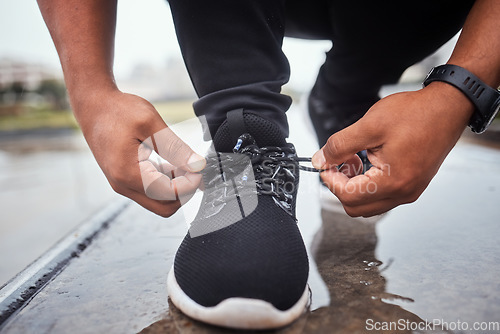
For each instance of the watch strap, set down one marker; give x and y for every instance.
(480, 94)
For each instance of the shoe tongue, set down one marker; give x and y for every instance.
(265, 132)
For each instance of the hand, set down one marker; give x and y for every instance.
(122, 130)
(407, 136)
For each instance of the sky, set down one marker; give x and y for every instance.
(145, 34)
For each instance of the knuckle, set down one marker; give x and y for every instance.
(144, 118)
(347, 200)
(119, 178)
(413, 194)
(145, 121)
(351, 212)
(168, 210)
(412, 197)
(404, 186)
(409, 189)
(117, 188)
(165, 214)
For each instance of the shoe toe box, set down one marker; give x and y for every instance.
(262, 256)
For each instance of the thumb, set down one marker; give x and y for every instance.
(344, 144)
(171, 148)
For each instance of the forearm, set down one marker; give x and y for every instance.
(478, 48)
(83, 33)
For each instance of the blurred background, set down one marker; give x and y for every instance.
(49, 181)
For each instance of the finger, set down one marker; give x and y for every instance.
(179, 188)
(161, 208)
(373, 209)
(186, 184)
(352, 167)
(345, 143)
(162, 165)
(160, 187)
(165, 167)
(145, 149)
(171, 148)
(150, 163)
(361, 189)
(155, 184)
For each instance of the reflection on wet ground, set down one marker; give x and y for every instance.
(49, 183)
(445, 247)
(435, 260)
(344, 251)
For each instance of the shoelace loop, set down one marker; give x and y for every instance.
(275, 172)
(257, 152)
(274, 168)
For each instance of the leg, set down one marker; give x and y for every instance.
(373, 45)
(244, 250)
(232, 50)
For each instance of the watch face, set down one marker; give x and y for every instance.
(494, 114)
(424, 83)
(496, 109)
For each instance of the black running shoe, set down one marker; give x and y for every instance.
(243, 263)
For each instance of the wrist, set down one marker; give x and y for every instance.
(455, 105)
(87, 93)
(485, 99)
(81, 85)
(481, 69)
(90, 104)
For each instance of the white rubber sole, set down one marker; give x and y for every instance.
(240, 313)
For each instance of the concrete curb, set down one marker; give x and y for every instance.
(18, 292)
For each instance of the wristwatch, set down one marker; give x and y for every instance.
(485, 98)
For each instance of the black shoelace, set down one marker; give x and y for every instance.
(275, 172)
(275, 169)
(256, 152)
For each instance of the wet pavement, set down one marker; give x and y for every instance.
(49, 183)
(434, 261)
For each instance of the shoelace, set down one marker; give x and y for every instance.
(260, 151)
(274, 172)
(275, 167)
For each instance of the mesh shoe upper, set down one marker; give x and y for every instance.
(244, 241)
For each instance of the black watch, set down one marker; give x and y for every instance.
(485, 98)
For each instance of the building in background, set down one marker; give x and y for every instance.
(29, 74)
(27, 84)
